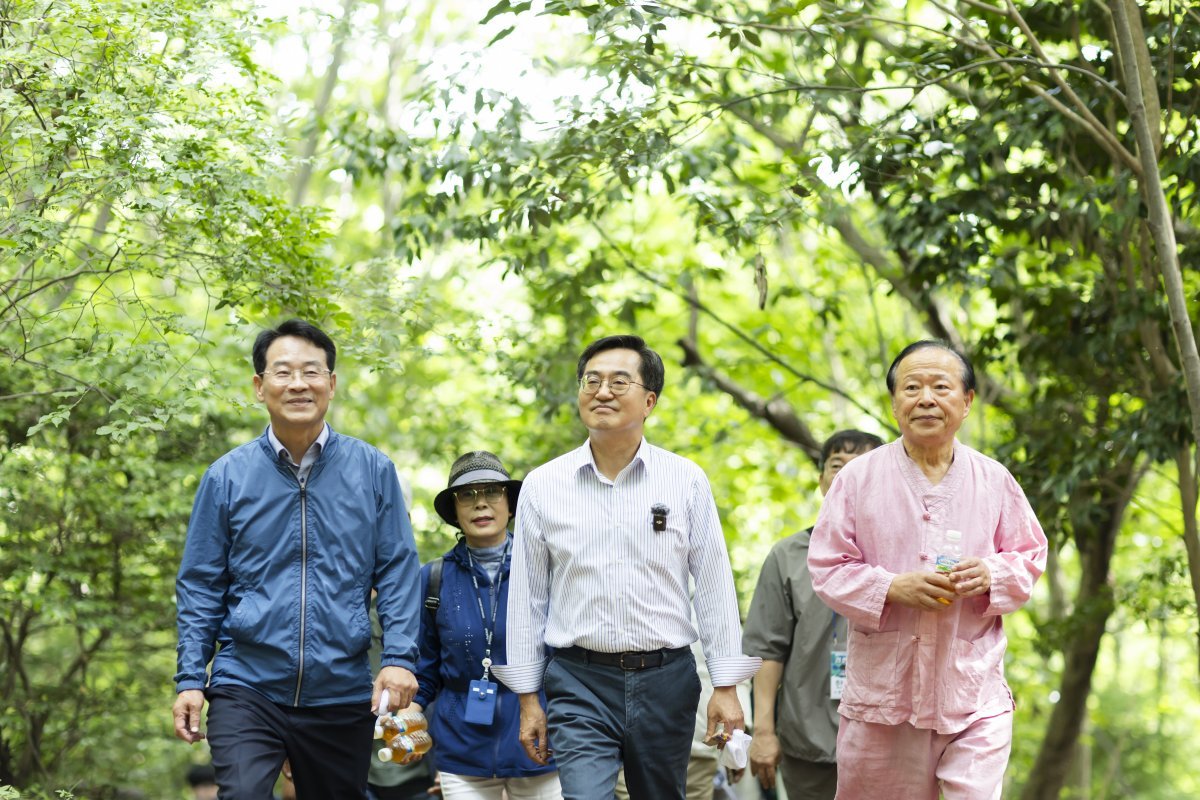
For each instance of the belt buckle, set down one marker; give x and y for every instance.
(641, 662)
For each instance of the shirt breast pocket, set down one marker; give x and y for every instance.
(874, 669)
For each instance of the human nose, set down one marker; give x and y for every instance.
(296, 376)
(605, 386)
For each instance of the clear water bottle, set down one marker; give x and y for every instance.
(389, 726)
(405, 748)
(949, 551)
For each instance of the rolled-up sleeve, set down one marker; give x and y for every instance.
(840, 574)
(716, 597)
(528, 600)
(1020, 556)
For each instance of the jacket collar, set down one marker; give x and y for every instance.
(328, 440)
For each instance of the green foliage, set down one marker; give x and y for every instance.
(141, 220)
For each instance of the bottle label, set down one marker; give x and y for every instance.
(945, 563)
(837, 674)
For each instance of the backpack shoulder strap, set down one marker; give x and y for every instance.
(433, 593)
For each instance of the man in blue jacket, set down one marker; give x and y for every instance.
(288, 535)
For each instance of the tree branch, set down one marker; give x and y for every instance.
(736, 331)
(776, 412)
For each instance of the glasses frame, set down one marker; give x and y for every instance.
(583, 389)
(473, 493)
(269, 375)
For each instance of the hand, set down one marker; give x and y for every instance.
(764, 758)
(724, 709)
(186, 711)
(971, 577)
(533, 729)
(436, 789)
(924, 591)
(401, 685)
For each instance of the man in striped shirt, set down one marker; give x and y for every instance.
(608, 537)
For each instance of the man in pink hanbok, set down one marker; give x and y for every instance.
(925, 706)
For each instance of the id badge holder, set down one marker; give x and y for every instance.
(481, 702)
(837, 674)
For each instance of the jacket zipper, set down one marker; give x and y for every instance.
(303, 585)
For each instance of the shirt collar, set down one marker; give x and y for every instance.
(281, 451)
(583, 457)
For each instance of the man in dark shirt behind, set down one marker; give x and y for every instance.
(797, 636)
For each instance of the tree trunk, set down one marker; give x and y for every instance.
(1161, 225)
(342, 33)
(1188, 469)
(1094, 604)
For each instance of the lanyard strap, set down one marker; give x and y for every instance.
(489, 628)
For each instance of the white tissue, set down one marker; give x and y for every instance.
(736, 751)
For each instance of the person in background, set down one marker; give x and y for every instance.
(288, 536)
(926, 706)
(475, 721)
(797, 636)
(609, 539)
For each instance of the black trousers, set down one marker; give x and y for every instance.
(329, 747)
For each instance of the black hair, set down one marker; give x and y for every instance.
(968, 372)
(651, 372)
(301, 330)
(849, 441)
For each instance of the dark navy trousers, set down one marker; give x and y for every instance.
(329, 747)
(600, 717)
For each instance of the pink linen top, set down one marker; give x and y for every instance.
(938, 670)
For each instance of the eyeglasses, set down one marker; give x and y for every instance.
(282, 377)
(469, 496)
(590, 384)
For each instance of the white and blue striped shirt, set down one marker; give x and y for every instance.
(588, 569)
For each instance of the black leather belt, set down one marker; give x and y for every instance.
(629, 661)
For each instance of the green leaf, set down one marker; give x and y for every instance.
(501, 35)
(505, 7)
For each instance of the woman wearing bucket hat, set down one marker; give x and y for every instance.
(476, 719)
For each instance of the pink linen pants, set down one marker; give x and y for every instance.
(906, 763)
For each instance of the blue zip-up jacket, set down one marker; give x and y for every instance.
(276, 577)
(452, 651)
